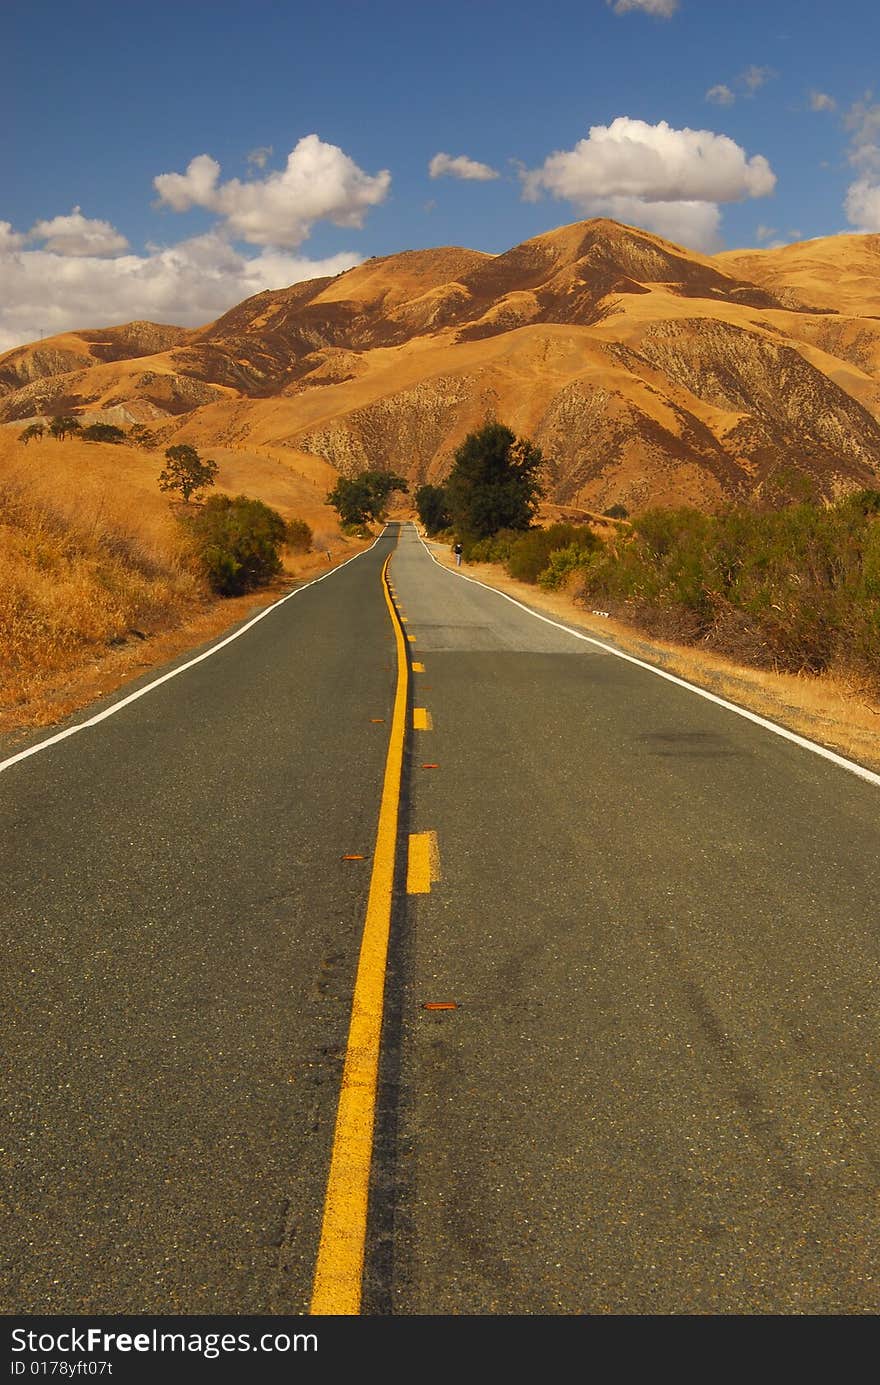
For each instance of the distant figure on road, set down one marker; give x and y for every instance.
(458, 550)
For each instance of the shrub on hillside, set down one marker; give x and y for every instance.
(237, 542)
(103, 432)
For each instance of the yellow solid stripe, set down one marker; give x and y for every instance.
(340, 1264)
(422, 719)
(423, 862)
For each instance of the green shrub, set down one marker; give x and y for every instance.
(237, 542)
(495, 549)
(530, 553)
(298, 535)
(562, 563)
(103, 432)
(796, 588)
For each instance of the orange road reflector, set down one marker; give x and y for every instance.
(378, 721)
(440, 1005)
(354, 857)
(430, 766)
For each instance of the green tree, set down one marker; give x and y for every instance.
(142, 436)
(493, 483)
(358, 499)
(237, 541)
(63, 426)
(103, 432)
(432, 508)
(33, 430)
(186, 471)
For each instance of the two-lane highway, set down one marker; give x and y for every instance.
(630, 1046)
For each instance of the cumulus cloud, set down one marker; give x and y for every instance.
(720, 95)
(319, 182)
(79, 235)
(664, 9)
(821, 101)
(862, 203)
(444, 165)
(189, 283)
(659, 177)
(755, 77)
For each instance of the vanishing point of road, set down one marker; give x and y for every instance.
(621, 942)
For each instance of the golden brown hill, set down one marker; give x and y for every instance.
(838, 273)
(647, 373)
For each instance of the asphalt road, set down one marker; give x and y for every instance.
(179, 938)
(659, 1090)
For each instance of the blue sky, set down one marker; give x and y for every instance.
(290, 140)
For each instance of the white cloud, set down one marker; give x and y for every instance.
(863, 205)
(765, 232)
(79, 235)
(664, 9)
(821, 101)
(460, 167)
(261, 156)
(755, 77)
(720, 95)
(666, 179)
(863, 119)
(9, 240)
(189, 284)
(319, 182)
(863, 196)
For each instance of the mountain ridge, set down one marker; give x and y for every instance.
(646, 372)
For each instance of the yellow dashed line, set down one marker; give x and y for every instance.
(418, 668)
(423, 863)
(422, 719)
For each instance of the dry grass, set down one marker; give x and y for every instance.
(95, 581)
(86, 564)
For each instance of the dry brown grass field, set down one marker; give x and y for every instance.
(95, 580)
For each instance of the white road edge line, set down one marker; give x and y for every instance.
(166, 677)
(782, 731)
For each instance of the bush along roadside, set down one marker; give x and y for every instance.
(795, 589)
(237, 542)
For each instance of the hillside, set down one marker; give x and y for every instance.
(647, 373)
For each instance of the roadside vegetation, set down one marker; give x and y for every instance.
(363, 498)
(795, 589)
(80, 572)
(93, 557)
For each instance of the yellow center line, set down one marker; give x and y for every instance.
(417, 667)
(340, 1263)
(422, 719)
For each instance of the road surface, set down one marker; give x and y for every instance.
(658, 1090)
